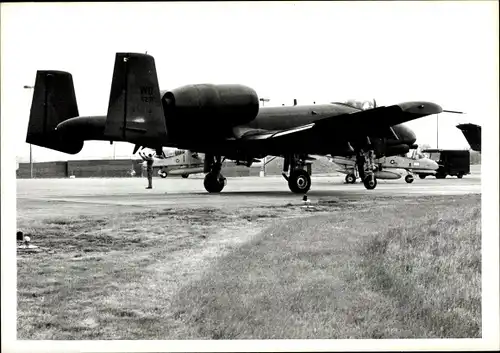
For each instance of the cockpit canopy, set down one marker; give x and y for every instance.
(360, 103)
(417, 154)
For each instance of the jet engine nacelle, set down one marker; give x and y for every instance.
(208, 106)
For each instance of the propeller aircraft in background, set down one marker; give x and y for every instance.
(393, 167)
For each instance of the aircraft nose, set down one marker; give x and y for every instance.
(433, 164)
(428, 163)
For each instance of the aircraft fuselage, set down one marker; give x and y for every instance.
(268, 119)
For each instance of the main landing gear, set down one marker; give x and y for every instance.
(214, 181)
(299, 180)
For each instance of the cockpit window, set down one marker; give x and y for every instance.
(420, 155)
(435, 156)
(360, 104)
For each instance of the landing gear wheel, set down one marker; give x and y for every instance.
(370, 182)
(162, 174)
(299, 181)
(409, 179)
(460, 175)
(185, 176)
(422, 176)
(350, 178)
(214, 183)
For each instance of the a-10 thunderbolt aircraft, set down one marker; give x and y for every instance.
(221, 121)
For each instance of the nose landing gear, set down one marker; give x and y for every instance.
(365, 162)
(370, 182)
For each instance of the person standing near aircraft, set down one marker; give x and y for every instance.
(149, 163)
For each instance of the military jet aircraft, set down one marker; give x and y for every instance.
(221, 121)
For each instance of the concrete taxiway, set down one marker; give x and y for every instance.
(239, 191)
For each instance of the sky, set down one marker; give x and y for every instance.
(444, 52)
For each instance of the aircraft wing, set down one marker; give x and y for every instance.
(376, 122)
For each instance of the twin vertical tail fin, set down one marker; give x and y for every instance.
(54, 101)
(135, 112)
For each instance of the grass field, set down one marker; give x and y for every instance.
(380, 268)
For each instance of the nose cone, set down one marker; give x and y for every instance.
(427, 163)
(405, 134)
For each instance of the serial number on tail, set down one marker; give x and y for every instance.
(147, 94)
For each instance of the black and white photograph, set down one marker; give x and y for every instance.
(250, 176)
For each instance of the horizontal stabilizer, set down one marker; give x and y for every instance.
(135, 113)
(54, 101)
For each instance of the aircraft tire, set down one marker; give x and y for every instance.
(350, 179)
(422, 176)
(299, 181)
(440, 176)
(369, 183)
(460, 175)
(409, 179)
(214, 183)
(163, 174)
(185, 176)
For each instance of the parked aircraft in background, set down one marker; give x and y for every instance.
(393, 167)
(472, 133)
(221, 121)
(179, 162)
